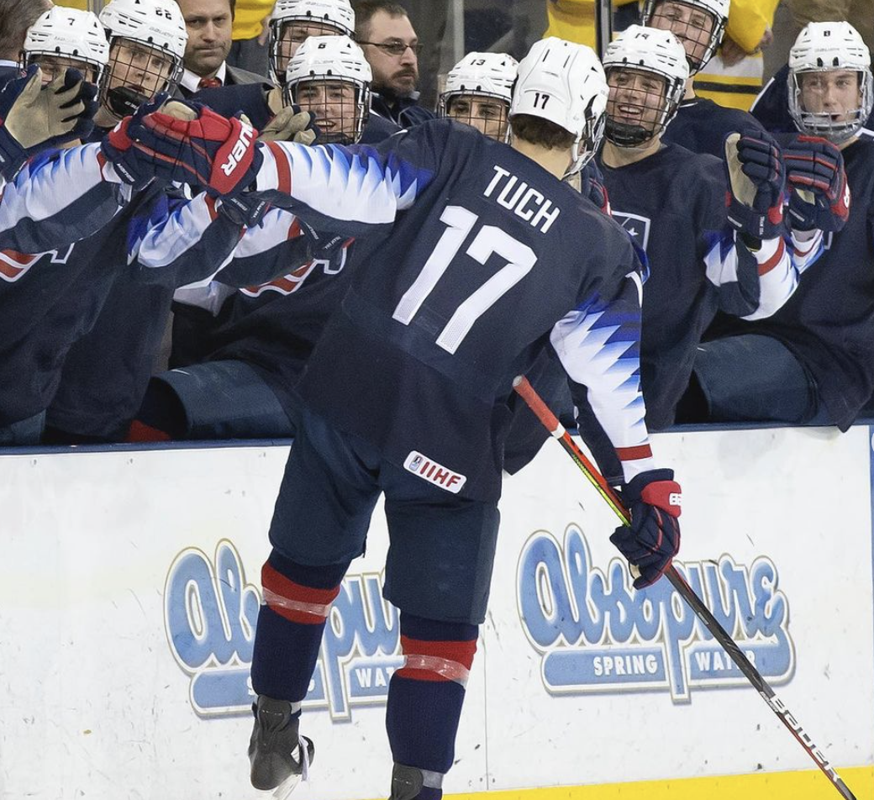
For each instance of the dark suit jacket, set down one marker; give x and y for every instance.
(233, 77)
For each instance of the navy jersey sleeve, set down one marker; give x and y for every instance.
(352, 189)
(60, 197)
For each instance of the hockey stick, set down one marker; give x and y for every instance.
(557, 430)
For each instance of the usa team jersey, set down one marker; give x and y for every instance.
(829, 322)
(52, 303)
(702, 125)
(489, 259)
(771, 107)
(59, 197)
(673, 205)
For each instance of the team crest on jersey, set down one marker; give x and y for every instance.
(435, 473)
(14, 264)
(637, 226)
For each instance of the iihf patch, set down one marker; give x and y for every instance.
(434, 473)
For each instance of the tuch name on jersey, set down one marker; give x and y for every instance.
(525, 202)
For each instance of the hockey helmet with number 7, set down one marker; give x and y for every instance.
(67, 33)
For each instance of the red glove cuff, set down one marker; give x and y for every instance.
(666, 495)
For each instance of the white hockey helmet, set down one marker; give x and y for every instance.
(718, 12)
(563, 82)
(332, 58)
(486, 74)
(648, 50)
(822, 47)
(68, 33)
(333, 15)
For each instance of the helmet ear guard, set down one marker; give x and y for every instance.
(825, 47)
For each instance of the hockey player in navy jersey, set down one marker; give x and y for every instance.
(86, 194)
(672, 202)
(812, 361)
(700, 124)
(477, 92)
(484, 258)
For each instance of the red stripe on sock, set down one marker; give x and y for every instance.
(140, 432)
(278, 584)
(461, 652)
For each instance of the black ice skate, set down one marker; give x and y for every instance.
(407, 783)
(279, 756)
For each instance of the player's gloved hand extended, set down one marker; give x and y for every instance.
(652, 539)
(137, 166)
(208, 150)
(820, 196)
(35, 117)
(291, 125)
(756, 179)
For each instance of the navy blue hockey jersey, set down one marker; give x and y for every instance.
(829, 322)
(702, 125)
(673, 205)
(488, 260)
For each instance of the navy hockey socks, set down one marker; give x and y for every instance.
(297, 600)
(425, 697)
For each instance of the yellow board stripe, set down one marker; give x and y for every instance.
(812, 785)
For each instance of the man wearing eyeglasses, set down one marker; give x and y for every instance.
(391, 47)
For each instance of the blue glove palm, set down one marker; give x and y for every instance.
(653, 538)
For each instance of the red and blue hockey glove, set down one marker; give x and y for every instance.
(756, 180)
(820, 196)
(652, 539)
(592, 186)
(134, 165)
(211, 151)
(34, 117)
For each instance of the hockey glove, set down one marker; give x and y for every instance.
(291, 125)
(135, 165)
(592, 186)
(35, 117)
(653, 537)
(246, 208)
(820, 196)
(756, 179)
(211, 151)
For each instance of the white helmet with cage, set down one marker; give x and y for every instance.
(483, 74)
(329, 59)
(823, 47)
(718, 12)
(154, 24)
(563, 82)
(657, 52)
(68, 33)
(333, 15)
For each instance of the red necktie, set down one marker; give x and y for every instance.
(209, 83)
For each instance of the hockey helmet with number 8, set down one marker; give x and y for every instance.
(478, 92)
(67, 34)
(147, 45)
(323, 17)
(637, 112)
(315, 81)
(563, 82)
(824, 47)
(699, 39)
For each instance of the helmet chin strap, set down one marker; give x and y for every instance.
(624, 135)
(124, 101)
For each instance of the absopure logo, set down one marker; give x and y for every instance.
(210, 614)
(596, 634)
